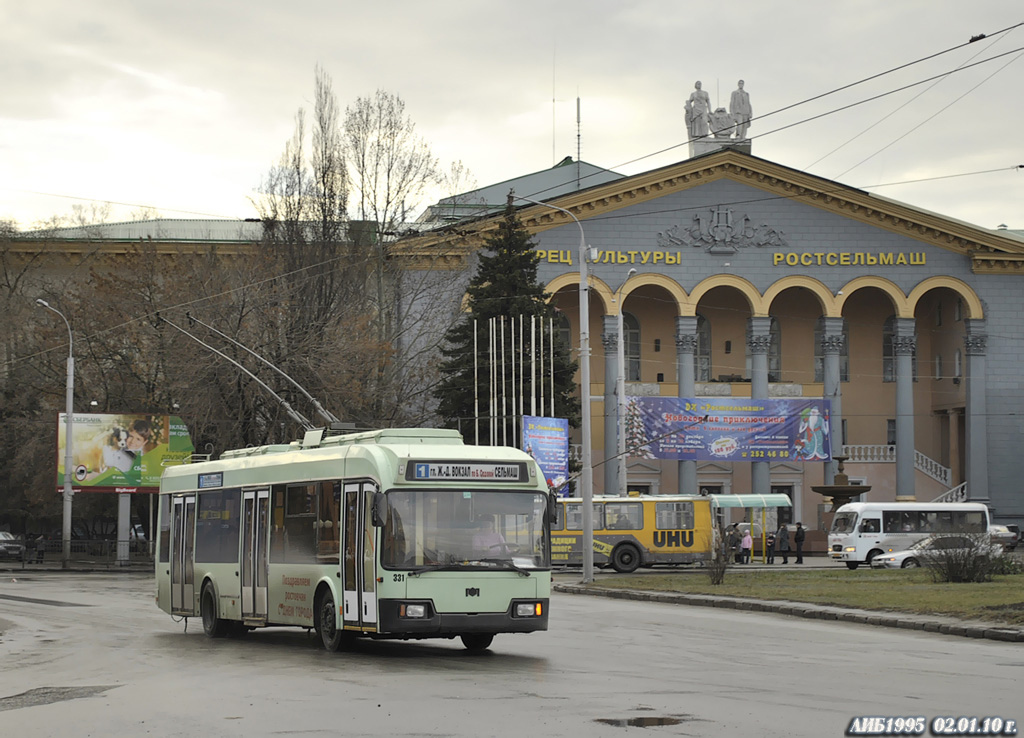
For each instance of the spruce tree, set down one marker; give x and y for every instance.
(504, 285)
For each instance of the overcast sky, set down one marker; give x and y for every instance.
(182, 106)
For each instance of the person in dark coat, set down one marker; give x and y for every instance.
(782, 543)
(798, 539)
(733, 539)
(769, 547)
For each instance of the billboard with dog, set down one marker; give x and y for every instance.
(121, 453)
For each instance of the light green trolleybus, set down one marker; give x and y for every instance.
(399, 533)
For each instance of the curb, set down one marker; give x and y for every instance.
(805, 610)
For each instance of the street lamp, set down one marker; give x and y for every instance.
(68, 461)
(587, 474)
(620, 392)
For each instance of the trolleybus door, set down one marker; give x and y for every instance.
(255, 507)
(183, 523)
(359, 585)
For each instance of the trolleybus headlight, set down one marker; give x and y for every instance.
(412, 611)
(529, 609)
(850, 549)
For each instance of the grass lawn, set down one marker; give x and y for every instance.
(1001, 600)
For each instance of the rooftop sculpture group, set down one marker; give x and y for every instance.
(701, 121)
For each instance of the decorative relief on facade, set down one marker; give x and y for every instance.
(904, 345)
(832, 343)
(976, 344)
(610, 341)
(721, 231)
(686, 342)
(759, 344)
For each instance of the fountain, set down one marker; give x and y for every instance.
(841, 491)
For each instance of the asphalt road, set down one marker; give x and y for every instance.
(89, 654)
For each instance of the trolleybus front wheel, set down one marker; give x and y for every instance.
(625, 559)
(213, 626)
(477, 641)
(331, 636)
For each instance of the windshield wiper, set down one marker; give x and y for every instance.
(505, 564)
(501, 565)
(434, 567)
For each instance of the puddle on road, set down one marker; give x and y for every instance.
(50, 695)
(55, 603)
(643, 722)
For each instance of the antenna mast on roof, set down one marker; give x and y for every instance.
(577, 142)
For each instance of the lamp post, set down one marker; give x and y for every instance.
(68, 460)
(587, 474)
(620, 394)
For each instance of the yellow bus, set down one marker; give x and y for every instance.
(635, 531)
(645, 530)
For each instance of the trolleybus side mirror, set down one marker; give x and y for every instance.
(377, 513)
(550, 512)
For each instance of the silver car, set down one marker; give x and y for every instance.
(11, 547)
(918, 554)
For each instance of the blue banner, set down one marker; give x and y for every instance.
(547, 441)
(728, 429)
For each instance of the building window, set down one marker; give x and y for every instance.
(890, 431)
(702, 356)
(889, 353)
(938, 314)
(958, 309)
(938, 366)
(631, 348)
(819, 353)
(774, 352)
(844, 433)
(564, 329)
(957, 364)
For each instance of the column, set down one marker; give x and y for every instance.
(758, 345)
(686, 347)
(904, 344)
(975, 424)
(609, 339)
(832, 341)
(956, 474)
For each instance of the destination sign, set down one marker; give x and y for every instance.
(206, 481)
(463, 471)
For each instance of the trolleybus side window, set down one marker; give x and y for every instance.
(574, 516)
(673, 515)
(328, 528)
(217, 526)
(624, 515)
(292, 537)
(165, 528)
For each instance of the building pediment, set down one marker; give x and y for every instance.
(989, 251)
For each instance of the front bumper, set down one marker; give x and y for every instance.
(450, 624)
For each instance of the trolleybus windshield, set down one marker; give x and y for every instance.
(454, 529)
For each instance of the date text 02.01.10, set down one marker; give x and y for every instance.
(939, 726)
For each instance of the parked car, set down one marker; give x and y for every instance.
(918, 554)
(11, 547)
(1003, 536)
(1015, 529)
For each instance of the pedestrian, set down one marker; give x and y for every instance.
(733, 540)
(769, 547)
(782, 543)
(798, 538)
(745, 545)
